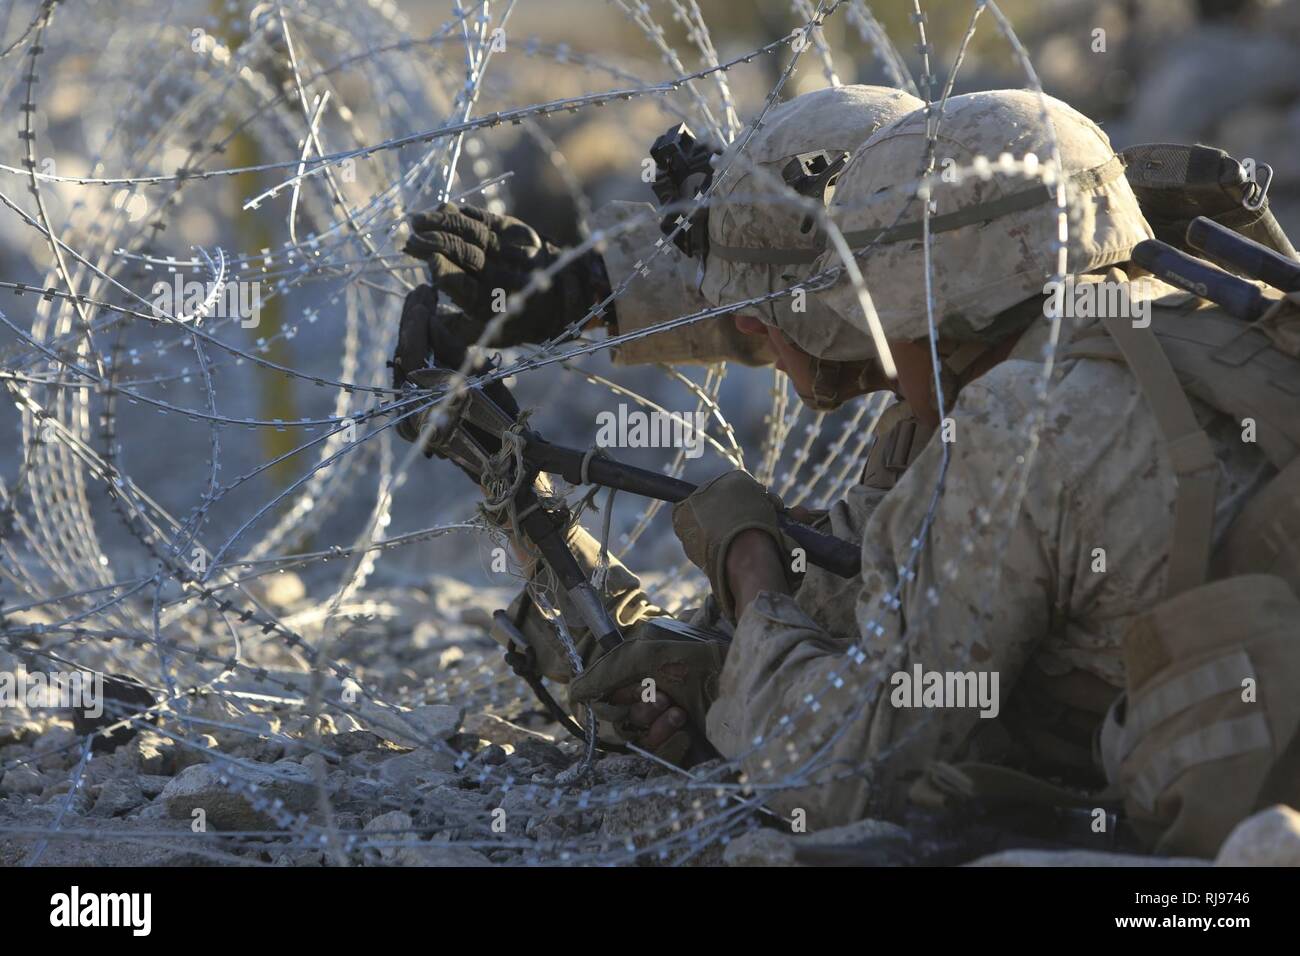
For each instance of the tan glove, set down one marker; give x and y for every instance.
(659, 661)
(708, 521)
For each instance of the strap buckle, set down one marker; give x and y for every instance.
(1254, 199)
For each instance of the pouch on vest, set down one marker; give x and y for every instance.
(1206, 730)
(1174, 184)
(1210, 709)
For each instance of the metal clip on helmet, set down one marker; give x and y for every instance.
(683, 170)
(813, 175)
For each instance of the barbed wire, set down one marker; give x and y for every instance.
(182, 591)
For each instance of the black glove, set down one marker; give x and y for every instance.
(424, 333)
(472, 253)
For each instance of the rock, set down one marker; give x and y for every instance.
(357, 741)
(1081, 858)
(316, 764)
(393, 820)
(257, 749)
(414, 728)
(24, 779)
(759, 847)
(435, 721)
(155, 753)
(500, 731)
(421, 854)
(493, 755)
(24, 731)
(1269, 838)
(459, 806)
(406, 849)
(298, 858)
(417, 767)
(58, 741)
(521, 807)
(124, 762)
(158, 843)
(285, 589)
(61, 793)
(542, 753)
(249, 731)
(769, 847)
(645, 819)
(118, 797)
(305, 726)
(619, 768)
(151, 785)
(55, 761)
(345, 723)
(153, 811)
(200, 787)
(192, 751)
(55, 790)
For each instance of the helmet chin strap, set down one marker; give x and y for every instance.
(829, 376)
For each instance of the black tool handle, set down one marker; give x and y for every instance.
(836, 555)
(826, 551)
(1245, 255)
(1238, 297)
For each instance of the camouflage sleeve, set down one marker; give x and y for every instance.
(829, 598)
(955, 614)
(665, 291)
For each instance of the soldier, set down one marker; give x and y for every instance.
(755, 238)
(1053, 543)
(1068, 567)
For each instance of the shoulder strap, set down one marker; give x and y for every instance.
(1187, 446)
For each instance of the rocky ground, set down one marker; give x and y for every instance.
(447, 759)
(458, 766)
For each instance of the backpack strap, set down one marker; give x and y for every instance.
(1187, 446)
(1216, 741)
(1264, 538)
(1159, 703)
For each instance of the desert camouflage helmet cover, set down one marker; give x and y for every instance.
(757, 243)
(994, 233)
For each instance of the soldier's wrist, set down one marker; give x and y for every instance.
(753, 564)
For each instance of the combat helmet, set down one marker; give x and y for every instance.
(757, 236)
(753, 227)
(995, 225)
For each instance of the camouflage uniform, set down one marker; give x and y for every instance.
(1024, 600)
(1006, 580)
